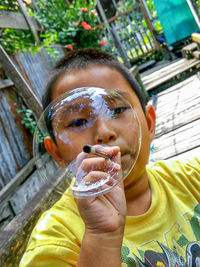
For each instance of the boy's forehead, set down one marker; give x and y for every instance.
(96, 76)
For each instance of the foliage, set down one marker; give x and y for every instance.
(16, 40)
(157, 24)
(198, 3)
(11, 5)
(30, 124)
(126, 5)
(75, 25)
(28, 120)
(156, 56)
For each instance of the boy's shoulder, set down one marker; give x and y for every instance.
(193, 161)
(178, 169)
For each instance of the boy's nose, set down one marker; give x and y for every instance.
(104, 133)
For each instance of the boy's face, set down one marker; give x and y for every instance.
(102, 132)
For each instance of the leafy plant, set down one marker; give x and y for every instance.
(30, 124)
(75, 25)
(16, 40)
(198, 3)
(28, 120)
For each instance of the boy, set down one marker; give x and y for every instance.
(152, 219)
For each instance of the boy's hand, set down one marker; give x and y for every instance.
(103, 213)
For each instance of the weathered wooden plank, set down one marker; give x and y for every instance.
(26, 192)
(184, 138)
(158, 81)
(179, 119)
(17, 180)
(174, 150)
(176, 99)
(14, 148)
(7, 162)
(187, 155)
(180, 85)
(177, 142)
(157, 73)
(5, 83)
(194, 152)
(175, 110)
(178, 105)
(6, 214)
(29, 21)
(22, 86)
(15, 20)
(36, 68)
(14, 238)
(192, 83)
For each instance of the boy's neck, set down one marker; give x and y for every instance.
(138, 196)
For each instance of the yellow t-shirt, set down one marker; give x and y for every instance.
(168, 234)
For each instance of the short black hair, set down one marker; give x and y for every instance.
(83, 58)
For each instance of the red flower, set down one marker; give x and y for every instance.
(100, 27)
(84, 9)
(70, 47)
(103, 42)
(93, 12)
(86, 26)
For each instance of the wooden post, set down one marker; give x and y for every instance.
(21, 85)
(29, 21)
(149, 24)
(113, 35)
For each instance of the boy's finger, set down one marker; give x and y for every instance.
(98, 164)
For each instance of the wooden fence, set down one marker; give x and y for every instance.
(16, 142)
(130, 31)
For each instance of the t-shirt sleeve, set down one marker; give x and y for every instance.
(181, 173)
(191, 169)
(51, 256)
(56, 238)
(187, 174)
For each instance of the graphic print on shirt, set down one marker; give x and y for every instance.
(180, 252)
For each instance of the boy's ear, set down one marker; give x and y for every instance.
(53, 150)
(151, 120)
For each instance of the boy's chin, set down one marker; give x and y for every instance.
(127, 162)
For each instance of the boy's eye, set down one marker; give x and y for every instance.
(118, 111)
(77, 123)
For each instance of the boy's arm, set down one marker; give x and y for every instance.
(101, 250)
(104, 218)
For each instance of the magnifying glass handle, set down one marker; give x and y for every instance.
(91, 150)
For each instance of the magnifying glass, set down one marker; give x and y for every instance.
(86, 123)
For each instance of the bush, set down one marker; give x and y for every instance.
(75, 25)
